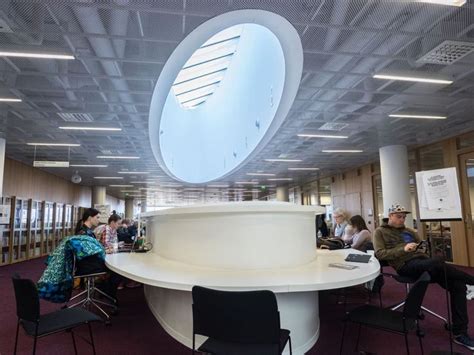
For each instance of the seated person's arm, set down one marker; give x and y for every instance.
(362, 238)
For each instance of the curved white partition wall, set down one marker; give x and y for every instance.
(238, 246)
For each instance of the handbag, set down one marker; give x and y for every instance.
(330, 243)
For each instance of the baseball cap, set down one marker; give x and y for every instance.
(397, 208)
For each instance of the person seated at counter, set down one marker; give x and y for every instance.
(340, 222)
(400, 247)
(107, 233)
(357, 235)
(93, 264)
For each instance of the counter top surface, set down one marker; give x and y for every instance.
(152, 269)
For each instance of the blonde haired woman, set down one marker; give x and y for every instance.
(340, 222)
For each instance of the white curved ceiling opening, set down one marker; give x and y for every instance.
(229, 95)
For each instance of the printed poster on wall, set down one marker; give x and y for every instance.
(438, 195)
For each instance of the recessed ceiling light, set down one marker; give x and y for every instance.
(260, 174)
(91, 128)
(133, 172)
(280, 179)
(309, 169)
(284, 160)
(342, 151)
(88, 165)
(36, 55)
(55, 144)
(427, 117)
(412, 78)
(116, 157)
(108, 177)
(121, 185)
(445, 2)
(321, 136)
(8, 99)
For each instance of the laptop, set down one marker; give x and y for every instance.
(358, 258)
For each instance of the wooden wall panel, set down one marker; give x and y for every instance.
(28, 182)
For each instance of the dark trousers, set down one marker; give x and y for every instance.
(456, 285)
(93, 264)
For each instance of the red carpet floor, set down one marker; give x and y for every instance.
(135, 331)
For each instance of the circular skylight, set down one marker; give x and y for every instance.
(223, 93)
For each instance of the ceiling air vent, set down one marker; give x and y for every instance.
(75, 117)
(447, 52)
(4, 27)
(332, 126)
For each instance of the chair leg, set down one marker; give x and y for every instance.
(16, 337)
(358, 338)
(406, 344)
(194, 344)
(73, 342)
(421, 345)
(342, 338)
(92, 338)
(289, 343)
(34, 346)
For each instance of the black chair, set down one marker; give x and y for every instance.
(90, 291)
(407, 281)
(238, 322)
(389, 320)
(37, 325)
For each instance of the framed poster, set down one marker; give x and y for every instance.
(438, 195)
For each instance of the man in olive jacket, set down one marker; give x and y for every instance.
(398, 245)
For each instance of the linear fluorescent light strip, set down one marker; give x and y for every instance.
(36, 55)
(308, 169)
(260, 174)
(280, 179)
(50, 164)
(246, 182)
(321, 136)
(108, 177)
(90, 128)
(412, 78)
(88, 165)
(284, 160)
(121, 185)
(8, 99)
(445, 2)
(427, 117)
(116, 157)
(55, 144)
(133, 172)
(342, 151)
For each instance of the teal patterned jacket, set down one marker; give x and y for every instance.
(56, 283)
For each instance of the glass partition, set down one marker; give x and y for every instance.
(48, 228)
(5, 213)
(58, 224)
(20, 231)
(35, 229)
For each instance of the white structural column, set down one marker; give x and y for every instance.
(98, 195)
(282, 194)
(395, 178)
(129, 207)
(2, 163)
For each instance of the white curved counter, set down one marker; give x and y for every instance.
(295, 276)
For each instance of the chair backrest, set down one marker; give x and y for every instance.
(27, 300)
(415, 296)
(245, 317)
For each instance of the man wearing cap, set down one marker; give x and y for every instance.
(397, 244)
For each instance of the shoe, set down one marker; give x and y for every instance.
(464, 340)
(470, 292)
